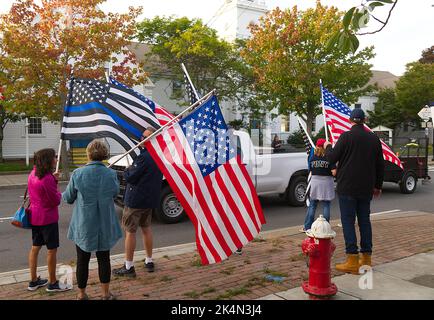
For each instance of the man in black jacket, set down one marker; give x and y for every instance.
(142, 194)
(360, 170)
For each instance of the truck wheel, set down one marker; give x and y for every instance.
(296, 193)
(408, 183)
(170, 210)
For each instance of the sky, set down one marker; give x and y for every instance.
(410, 29)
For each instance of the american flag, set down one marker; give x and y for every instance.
(309, 150)
(337, 116)
(199, 159)
(162, 115)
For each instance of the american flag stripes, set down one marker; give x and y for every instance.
(98, 109)
(337, 116)
(199, 160)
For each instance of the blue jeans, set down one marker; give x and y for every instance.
(310, 216)
(352, 207)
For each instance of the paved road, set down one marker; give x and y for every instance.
(15, 243)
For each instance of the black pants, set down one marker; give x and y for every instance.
(104, 268)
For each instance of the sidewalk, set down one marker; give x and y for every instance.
(403, 259)
(16, 181)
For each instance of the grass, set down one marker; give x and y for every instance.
(258, 240)
(232, 293)
(196, 262)
(208, 290)
(275, 273)
(12, 167)
(253, 282)
(192, 294)
(166, 278)
(166, 257)
(228, 271)
(297, 257)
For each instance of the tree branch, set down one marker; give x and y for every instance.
(384, 23)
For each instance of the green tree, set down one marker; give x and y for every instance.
(386, 112)
(210, 61)
(288, 54)
(45, 42)
(427, 55)
(414, 90)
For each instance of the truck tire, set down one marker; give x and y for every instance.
(296, 193)
(408, 183)
(170, 209)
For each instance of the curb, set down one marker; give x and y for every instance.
(17, 276)
(23, 185)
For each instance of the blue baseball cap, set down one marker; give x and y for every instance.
(357, 115)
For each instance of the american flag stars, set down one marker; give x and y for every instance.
(207, 135)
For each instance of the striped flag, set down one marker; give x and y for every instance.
(189, 88)
(162, 115)
(98, 109)
(199, 159)
(337, 116)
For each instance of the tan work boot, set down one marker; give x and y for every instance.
(365, 259)
(351, 265)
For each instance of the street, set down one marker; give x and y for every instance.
(15, 243)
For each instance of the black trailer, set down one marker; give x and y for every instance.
(413, 154)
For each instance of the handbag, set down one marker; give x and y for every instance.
(21, 218)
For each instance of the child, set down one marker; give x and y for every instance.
(321, 185)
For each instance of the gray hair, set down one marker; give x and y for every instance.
(97, 150)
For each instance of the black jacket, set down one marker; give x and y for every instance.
(360, 161)
(144, 180)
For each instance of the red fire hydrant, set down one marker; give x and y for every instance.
(319, 248)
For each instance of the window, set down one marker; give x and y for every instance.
(358, 105)
(284, 123)
(35, 125)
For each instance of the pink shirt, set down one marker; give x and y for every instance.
(44, 199)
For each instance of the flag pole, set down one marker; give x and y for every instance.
(189, 80)
(61, 140)
(326, 128)
(168, 124)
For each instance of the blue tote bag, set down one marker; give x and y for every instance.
(21, 218)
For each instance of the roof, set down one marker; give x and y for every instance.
(383, 79)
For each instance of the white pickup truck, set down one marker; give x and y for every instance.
(282, 173)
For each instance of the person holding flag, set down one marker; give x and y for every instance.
(322, 187)
(359, 155)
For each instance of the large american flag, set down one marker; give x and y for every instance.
(199, 160)
(337, 116)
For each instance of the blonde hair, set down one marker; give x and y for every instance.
(319, 151)
(97, 150)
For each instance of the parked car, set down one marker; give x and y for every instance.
(279, 173)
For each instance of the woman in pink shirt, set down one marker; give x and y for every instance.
(44, 205)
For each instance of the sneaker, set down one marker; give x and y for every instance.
(124, 272)
(239, 251)
(35, 285)
(58, 287)
(150, 266)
